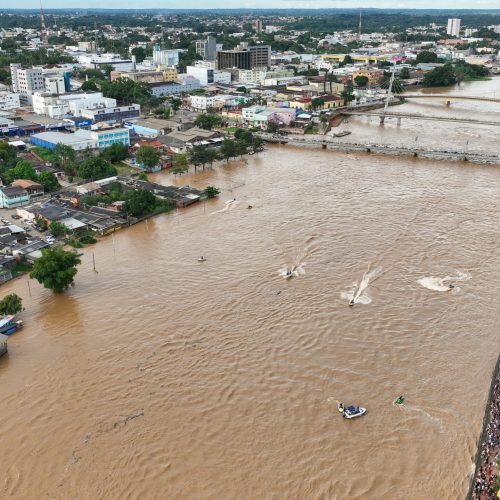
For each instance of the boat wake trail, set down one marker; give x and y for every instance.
(228, 205)
(296, 270)
(359, 293)
(443, 284)
(434, 421)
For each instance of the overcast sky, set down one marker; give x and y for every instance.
(283, 4)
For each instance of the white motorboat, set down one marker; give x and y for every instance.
(351, 411)
(201, 259)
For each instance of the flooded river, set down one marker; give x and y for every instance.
(161, 377)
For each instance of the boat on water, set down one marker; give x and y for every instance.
(201, 259)
(9, 325)
(342, 134)
(350, 412)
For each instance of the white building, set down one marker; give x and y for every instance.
(54, 84)
(284, 80)
(202, 102)
(9, 100)
(96, 61)
(169, 57)
(26, 81)
(69, 104)
(453, 28)
(208, 76)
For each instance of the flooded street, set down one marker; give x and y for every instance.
(162, 377)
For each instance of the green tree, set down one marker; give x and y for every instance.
(273, 127)
(41, 222)
(176, 103)
(241, 89)
(139, 53)
(49, 181)
(115, 153)
(211, 191)
(347, 93)
(229, 149)
(317, 103)
(348, 59)
(140, 202)
(96, 168)
(443, 76)
(11, 304)
(24, 170)
(361, 80)
(65, 157)
(8, 155)
(427, 56)
(211, 155)
(142, 176)
(179, 164)
(55, 269)
(257, 144)
(148, 157)
(58, 228)
(90, 86)
(207, 121)
(404, 74)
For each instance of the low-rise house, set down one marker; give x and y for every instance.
(180, 141)
(33, 188)
(11, 197)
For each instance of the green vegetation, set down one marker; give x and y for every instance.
(180, 164)
(55, 269)
(11, 304)
(129, 92)
(45, 154)
(427, 56)
(49, 181)
(347, 93)
(140, 202)
(21, 267)
(75, 243)
(207, 121)
(211, 191)
(361, 81)
(115, 153)
(148, 157)
(57, 228)
(95, 168)
(87, 238)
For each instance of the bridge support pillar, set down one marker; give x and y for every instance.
(448, 103)
(323, 146)
(399, 121)
(382, 120)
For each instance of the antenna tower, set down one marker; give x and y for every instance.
(43, 34)
(358, 37)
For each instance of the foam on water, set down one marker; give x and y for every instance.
(228, 205)
(359, 292)
(442, 284)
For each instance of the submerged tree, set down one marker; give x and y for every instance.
(11, 304)
(55, 269)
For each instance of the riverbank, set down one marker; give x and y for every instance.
(485, 483)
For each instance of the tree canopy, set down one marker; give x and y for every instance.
(148, 156)
(96, 168)
(140, 202)
(207, 121)
(11, 304)
(56, 268)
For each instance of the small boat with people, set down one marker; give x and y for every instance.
(9, 325)
(201, 259)
(350, 412)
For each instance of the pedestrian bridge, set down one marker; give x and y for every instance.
(417, 116)
(448, 97)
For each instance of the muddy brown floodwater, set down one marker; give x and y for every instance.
(162, 377)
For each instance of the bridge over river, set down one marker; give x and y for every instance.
(327, 142)
(383, 115)
(449, 97)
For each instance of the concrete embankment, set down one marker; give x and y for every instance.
(484, 480)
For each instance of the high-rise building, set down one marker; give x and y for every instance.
(207, 48)
(257, 25)
(453, 28)
(245, 57)
(26, 82)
